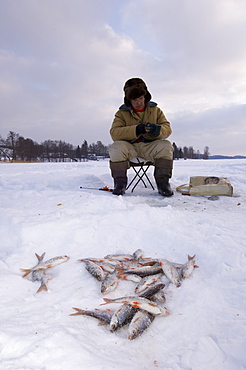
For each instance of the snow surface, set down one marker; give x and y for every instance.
(43, 209)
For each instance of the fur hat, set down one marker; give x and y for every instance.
(134, 88)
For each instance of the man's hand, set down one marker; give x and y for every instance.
(140, 129)
(152, 128)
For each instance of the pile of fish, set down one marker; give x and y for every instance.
(139, 309)
(38, 272)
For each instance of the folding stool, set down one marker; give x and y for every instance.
(140, 167)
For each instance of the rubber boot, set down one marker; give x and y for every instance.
(119, 174)
(162, 174)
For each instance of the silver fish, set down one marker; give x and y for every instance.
(140, 322)
(138, 254)
(46, 265)
(188, 268)
(100, 260)
(130, 277)
(144, 270)
(37, 274)
(110, 282)
(40, 275)
(171, 272)
(43, 278)
(107, 267)
(158, 297)
(120, 257)
(102, 315)
(147, 282)
(141, 303)
(95, 270)
(152, 291)
(122, 316)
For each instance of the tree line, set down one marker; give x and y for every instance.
(189, 152)
(16, 148)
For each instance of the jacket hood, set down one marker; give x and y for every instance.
(129, 108)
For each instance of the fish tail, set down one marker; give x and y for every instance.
(26, 272)
(40, 257)
(42, 287)
(119, 270)
(79, 312)
(106, 300)
(191, 258)
(120, 273)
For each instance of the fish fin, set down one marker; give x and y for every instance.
(102, 323)
(40, 257)
(120, 271)
(150, 263)
(107, 300)
(79, 312)
(123, 277)
(26, 272)
(42, 287)
(191, 258)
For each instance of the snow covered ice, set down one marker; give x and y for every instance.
(43, 209)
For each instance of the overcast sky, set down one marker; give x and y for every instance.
(63, 64)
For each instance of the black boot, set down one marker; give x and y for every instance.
(164, 187)
(119, 174)
(162, 174)
(120, 185)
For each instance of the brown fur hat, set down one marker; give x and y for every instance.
(134, 88)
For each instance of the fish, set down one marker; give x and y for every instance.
(43, 278)
(46, 265)
(171, 272)
(34, 274)
(140, 322)
(130, 277)
(120, 257)
(158, 297)
(138, 254)
(148, 300)
(122, 316)
(110, 282)
(107, 267)
(104, 316)
(144, 270)
(95, 270)
(152, 290)
(147, 282)
(100, 261)
(188, 268)
(40, 275)
(141, 303)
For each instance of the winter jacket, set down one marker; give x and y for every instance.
(126, 120)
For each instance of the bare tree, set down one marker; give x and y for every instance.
(206, 152)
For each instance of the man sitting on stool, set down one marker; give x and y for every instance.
(139, 129)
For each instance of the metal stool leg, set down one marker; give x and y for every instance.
(140, 177)
(140, 174)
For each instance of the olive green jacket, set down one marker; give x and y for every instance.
(126, 120)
